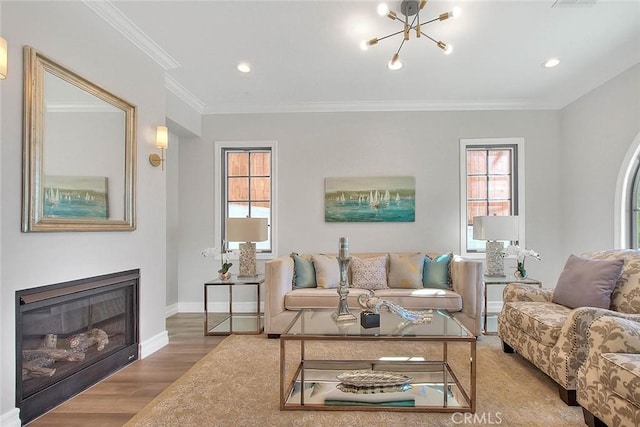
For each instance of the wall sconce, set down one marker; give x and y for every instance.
(3, 58)
(162, 142)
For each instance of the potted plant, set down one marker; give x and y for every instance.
(225, 265)
(521, 256)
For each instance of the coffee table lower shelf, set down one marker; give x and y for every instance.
(434, 388)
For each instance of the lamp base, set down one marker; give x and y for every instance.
(247, 260)
(495, 259)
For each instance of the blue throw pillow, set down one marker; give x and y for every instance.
(435, 273)
(304, 274)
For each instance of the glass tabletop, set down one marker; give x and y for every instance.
(320, 323)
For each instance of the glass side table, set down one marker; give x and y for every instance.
(492, 280)
(228, 323)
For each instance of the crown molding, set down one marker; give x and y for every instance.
(181, 92)
(382, 106)
(114, 17)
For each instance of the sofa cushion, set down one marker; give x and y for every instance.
(369, 273)
(421, 299)
(327, 270)
(542, 321)
(436, 273)
(304, 274)
(586, 282)
(298, 299)
(405, 270)
(620, 372)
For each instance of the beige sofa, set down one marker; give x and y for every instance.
(554, 337)
(463, 300)
(609, 380)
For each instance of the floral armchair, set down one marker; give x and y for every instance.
(554, 337)
(609, 380)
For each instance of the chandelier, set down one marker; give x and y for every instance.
(411, 11)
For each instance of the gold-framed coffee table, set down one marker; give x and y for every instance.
(308, 383)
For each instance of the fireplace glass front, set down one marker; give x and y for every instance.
(71, 335)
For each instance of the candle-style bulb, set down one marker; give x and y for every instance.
(343, 251)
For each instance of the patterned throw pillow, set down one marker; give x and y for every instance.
(405, 270)
(369, 273)
(304, 275)
(327, 271)
(436, 272)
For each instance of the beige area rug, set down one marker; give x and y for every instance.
(237, 384)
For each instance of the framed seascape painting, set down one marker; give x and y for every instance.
(370, 199)
(75, 197)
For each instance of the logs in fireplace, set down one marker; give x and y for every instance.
(71, 335)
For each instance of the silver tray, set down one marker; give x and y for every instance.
(378, 389)
(369, 378)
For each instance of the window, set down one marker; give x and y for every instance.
(635, 210)
(490, 176)
(245, 187)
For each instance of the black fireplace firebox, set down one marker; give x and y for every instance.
(71, 335)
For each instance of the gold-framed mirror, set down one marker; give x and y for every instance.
(78, 152)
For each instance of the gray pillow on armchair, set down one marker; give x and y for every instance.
(586, 282)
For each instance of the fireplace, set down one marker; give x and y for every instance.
(71, 335)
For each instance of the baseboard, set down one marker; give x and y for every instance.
(11, 418)
(171, 310)
(154, 344)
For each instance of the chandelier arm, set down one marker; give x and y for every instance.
(429, 37)
(401, 44)
(430, 21)
(390, 35)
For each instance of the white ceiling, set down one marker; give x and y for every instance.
(305, 54)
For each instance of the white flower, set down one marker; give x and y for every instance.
(210, 252)
(520, 253)
(225, 265)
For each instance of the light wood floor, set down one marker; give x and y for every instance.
(116, 399)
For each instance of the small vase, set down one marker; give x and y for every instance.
(224, 276)
(520, 272)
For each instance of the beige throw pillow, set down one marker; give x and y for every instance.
(405, 270)
(327, 271)
(369, 273)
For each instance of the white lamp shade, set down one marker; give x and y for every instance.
(495, 228)
(162, 137)
(3, 58)
(247, 229)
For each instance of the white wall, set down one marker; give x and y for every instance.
(313, 146)
(173, 222)
(74, 36)
(597, 131)
(5, 417)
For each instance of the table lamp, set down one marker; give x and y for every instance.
(495, 229)
(248, 231)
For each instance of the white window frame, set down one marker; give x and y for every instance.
(624, 215)
(219, 146)
(520, 162)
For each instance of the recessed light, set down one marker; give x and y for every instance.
(243, 67)
(551, 62)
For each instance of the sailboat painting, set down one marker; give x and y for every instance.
(83, 197)
(370, 199)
